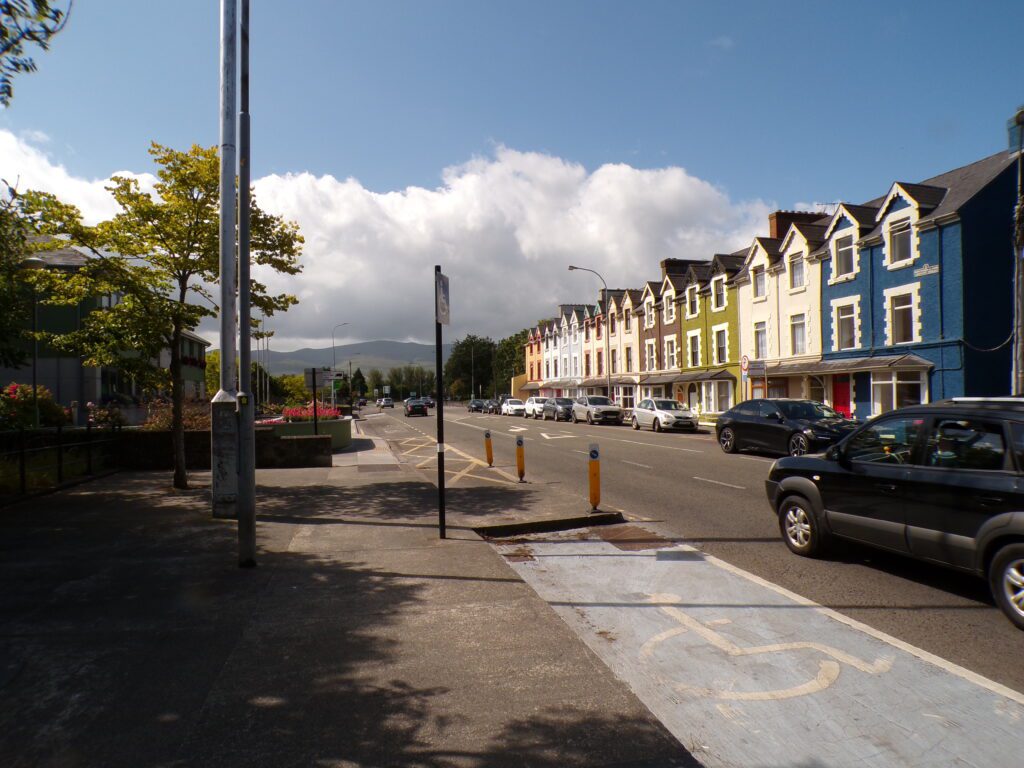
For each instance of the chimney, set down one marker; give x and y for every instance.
(675, 266)
(779, 221)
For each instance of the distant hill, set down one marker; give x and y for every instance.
(365, 355)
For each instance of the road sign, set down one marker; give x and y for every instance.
(744, 363)
(316, 377)
(756, 369)
(387, 389)
(443, 316)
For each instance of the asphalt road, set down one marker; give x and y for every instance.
(684, 487)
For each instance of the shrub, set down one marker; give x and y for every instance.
(196, 416)
(16, 411)
(305, 413)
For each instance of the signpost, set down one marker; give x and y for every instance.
(441, 317)
(315, 378)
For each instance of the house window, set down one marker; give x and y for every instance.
(901, 318)
(626, 320)
(611, 320)
(597, 328)
(649, 314)
(670, 308)
(899, 242)
(718, 293)
(652, 356)
(760, 340)
(586, 364)
(694, 341)
(844, 256)
(670, 353)
(615, 361)
(586, 332)
(624, 396)
(565, 365)
(547, 369)
(721, 346)
(758, 279)
(691, 301)
(796, 271)
(556, 369)
(575, 366)
(629, 359)
(600, 363)
(846, 330)
(895, 389)
(723, 396)
(816, 389)
(798, 334)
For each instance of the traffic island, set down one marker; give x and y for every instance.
(548, 526)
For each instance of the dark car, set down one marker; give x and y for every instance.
(794, 427)
(430, 402)
(362, 402)
(557, 408)
(941, 482)
(475, 405)
(492, 406)
(415, 408)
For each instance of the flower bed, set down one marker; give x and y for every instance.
(305, 413)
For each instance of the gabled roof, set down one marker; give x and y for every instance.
(924, 197)
(634, 294)
(861, 215)
(653, 288)
(813, 235)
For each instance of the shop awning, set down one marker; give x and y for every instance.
(848, 365)
(602, 382)
(532, 386)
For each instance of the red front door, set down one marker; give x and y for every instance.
(841, 395)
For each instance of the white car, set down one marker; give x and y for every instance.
(513, 407)
(662, 413)
(533, 407)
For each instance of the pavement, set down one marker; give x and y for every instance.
(129, 637)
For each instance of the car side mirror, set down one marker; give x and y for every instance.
(834, 453)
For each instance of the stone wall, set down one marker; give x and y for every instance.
(152, 450)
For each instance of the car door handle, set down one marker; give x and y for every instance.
(988, 501)
(887, 487)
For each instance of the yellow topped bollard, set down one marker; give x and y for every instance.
(595, 477)
(489, 448)
(520, 458)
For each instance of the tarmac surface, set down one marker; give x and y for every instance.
(129, 637)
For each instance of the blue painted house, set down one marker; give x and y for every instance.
(917, 291)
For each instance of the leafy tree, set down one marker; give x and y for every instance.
(293, 388)
(510, 358)
(24, 22)
(159, 252)
(15, 292)
(375, 380)
(397, 382)
(359, 382)
(470, 364)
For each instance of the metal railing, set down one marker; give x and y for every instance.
(37, 460)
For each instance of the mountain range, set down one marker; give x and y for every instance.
(364, 355)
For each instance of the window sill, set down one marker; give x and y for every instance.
(719, 309)
(798, 289)
(892, 266)
(842, 279)
(760, 299)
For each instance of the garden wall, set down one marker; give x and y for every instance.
(151, 449)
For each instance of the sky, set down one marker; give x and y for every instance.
(506, 141)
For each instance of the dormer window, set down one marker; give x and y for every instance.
(611, 321)
(626, 320)
(670, 308)
(797, 276)
(649, 314)
(691, 301)
(899, 242)
(758, 279)
(718, 293)
(843, 264)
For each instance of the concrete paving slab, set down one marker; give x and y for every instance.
(746, 674)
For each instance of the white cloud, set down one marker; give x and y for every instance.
(503, 227)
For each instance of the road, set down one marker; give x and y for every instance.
(683, 487)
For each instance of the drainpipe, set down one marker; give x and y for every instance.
(942, 322)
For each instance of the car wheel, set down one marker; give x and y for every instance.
(799, 527)
(798, 444)
(590, 419)
(573, 419)
(1006, 578)
(656, 425)
(727, 440)
(635, 423)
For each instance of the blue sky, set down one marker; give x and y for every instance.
(768, 102)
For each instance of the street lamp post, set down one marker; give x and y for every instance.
(1018, 272)
(334, 360)
(34, 262)
(604, 312)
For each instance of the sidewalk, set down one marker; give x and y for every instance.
(128, 637)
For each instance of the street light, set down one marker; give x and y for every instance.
(604, 312)
(34, 262)
(334, 359)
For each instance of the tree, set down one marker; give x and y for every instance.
(15, 293)
(510, 357)
(359, 382)
(293, 388)
(397, 382)
(470, 364)
(375, 380)
(159, 252)
(23, 22)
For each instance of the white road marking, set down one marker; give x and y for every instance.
(546, 436)
(583, 452)
(517, 429)
(655, 445)
(719, 482)
(756, 458)
(637, 464)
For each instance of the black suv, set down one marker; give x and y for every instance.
(781, 425)
(941, 482)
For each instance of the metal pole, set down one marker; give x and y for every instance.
(247, 418)
(440, 412)
(1018, 267)
(35, 357)
(224, 407)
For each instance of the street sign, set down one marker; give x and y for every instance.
(744, 363)
(756, 369)
(387, 389)
(442, 315)
(316, 377)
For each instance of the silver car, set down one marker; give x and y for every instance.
(660, 414)
(596, 409)
(533, 407)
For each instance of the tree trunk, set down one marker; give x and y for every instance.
(177, 411)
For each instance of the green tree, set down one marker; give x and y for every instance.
(470, 364)
(15, 290)
(158, 254)
(359, 382)
(397, 382)
(510, 358)
(24, 22)
(293, 388)
(375, 381)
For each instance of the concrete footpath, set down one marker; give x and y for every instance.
(128, 636)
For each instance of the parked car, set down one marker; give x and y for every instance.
(557, 408)
(362, 402)
(513, 407)
(492, 406)
(387, 402)
(533, 406)
(415, 407)
(596, 409)
(475, 405)
(941, 482)
(430, 402)
(794, 427)
(662, 413)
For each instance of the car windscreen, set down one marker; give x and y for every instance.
(668, 405)
(563, 401)
(807, 410)
(599, 401)
(513, 402)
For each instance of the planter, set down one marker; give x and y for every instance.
(340, 430)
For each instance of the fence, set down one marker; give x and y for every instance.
(37, 460)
